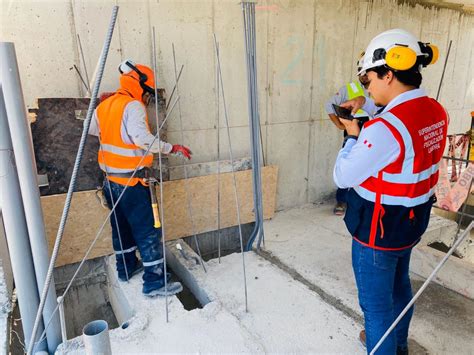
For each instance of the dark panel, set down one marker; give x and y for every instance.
(56, 135)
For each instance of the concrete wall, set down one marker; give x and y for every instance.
(306, 51)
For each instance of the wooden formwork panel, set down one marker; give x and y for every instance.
(86, 214)
(202, 193)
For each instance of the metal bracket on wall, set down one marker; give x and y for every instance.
(43, 180)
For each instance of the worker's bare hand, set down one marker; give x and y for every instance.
(352, 126)
(354, 104)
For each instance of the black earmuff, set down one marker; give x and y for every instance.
(431, 51)
(142, 78)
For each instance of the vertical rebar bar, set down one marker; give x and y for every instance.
(162, 214)
(186, 182)
(248, 10)
(84, 64)
(233, 172)
(444, 70)
(218, 165)
(77, 163)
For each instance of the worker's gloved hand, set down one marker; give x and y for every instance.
(181, 150)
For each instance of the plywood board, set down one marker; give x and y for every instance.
(202, 192)
(87, 215)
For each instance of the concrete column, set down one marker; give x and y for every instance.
(16, 230)
(26, 167)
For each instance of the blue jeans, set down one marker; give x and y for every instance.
(135, 224)
(384, 290)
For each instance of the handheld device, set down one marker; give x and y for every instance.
(343, 112)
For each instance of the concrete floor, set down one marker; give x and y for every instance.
(283, 316)
(301, 299)
(315, 245)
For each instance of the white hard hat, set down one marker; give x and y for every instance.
(399, 50)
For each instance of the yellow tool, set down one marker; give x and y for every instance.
(154, 201)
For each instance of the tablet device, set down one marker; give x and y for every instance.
(343, 112)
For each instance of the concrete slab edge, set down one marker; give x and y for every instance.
(456, 274)
(122, 309)
(186, 266)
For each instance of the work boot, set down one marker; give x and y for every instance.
(138, 268)
(172, 289)
(339, 209)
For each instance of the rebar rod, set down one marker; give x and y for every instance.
(233, 171)
(162, 214)
(80, 77)
(72, 184)
(459, 159)
(101, 228)
(248, 10)
(185, 170)
(218, 165)
(444, 70)
(174, 87)
(423, 287)
(84, 63)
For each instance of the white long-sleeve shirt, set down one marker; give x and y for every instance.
(134, 129)
(375, 148)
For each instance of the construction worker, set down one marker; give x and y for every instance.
(121, 123)
(347, 92)
(391, 168)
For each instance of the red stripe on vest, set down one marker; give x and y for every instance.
(404, 190)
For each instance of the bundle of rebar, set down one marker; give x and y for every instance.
(248, 9)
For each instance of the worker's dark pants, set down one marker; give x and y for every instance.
(341, 195)
(384, 290)
(132, 228)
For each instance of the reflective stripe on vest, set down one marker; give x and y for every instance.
(406, 188)
(355, 90)
(116, 156)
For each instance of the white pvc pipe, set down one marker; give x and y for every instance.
(16, 231)
(96, 338)
(26, 167)
(62, 319)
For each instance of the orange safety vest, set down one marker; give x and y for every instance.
(116, 156)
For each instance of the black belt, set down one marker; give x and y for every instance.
(141, 174)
